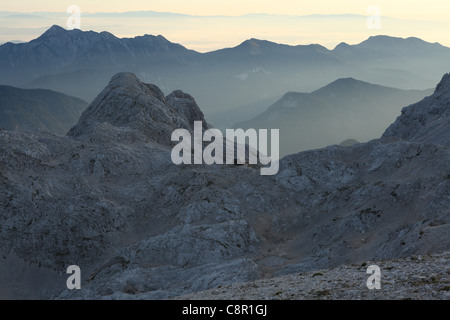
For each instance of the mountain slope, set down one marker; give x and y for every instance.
(344, 109)
(29, 109)
(347, 282)
(427, 121)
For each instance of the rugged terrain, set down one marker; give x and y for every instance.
(413, 278)
(108, 198)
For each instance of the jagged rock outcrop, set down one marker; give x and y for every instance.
(185, 104)
(136, 111)
(426, 121)
(141, 227)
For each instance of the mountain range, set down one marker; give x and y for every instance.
(108, 198)
(80, 63)
(344, 109)
(224, 30)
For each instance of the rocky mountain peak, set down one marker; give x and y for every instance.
(53, 32)
(185, 104)
(444, 86)
(128, 110)
(129, 81)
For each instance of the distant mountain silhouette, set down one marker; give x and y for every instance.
(348, 143)
(80, 63)
(346, 108)
(30, 109)
(59, 50)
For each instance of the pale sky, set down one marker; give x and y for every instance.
(410, 9)
(428, 20)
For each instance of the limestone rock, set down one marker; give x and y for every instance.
(426, 121)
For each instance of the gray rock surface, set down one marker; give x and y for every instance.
(427, 121)
(108, 198)
(414, 278)
(137, 112)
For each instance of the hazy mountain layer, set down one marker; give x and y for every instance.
(22, 109)
(108, 198)
(344, 109)
(81, 64)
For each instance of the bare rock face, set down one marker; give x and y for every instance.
(185, 104)
(136, 112)
(108, 198)
(426, 121)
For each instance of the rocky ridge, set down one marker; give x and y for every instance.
(426, 121)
